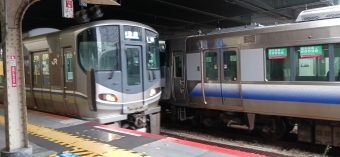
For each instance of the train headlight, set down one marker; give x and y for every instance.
(154, 91)
(108, 97)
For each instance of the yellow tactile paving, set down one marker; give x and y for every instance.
(80, 146)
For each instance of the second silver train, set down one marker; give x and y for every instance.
(260, 77)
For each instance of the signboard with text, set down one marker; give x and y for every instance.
(311, 52)
(67, 8)
(13, 66)
(277, 53)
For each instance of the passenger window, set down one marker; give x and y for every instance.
(133, 66)
(312, 63)
(46, 69)
(36, 69)
(211, 71)
(178, 66)
(68, 67)
(337, 62)
(230, 65)
(277, 64)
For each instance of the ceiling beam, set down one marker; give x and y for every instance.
(199, 11)
(288, 13)
(255, 8)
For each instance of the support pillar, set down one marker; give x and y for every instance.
(17, 145)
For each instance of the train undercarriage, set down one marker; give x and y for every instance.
(141, 122)
(268, 126)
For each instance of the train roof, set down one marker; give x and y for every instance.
(92, 24)
(312, 18)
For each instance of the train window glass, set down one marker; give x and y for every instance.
(68, 67)
(36, 69)
(46, 69)
(152, 50)
(277, 64)
(312, 63)
(132, 33)
(178, 66)
(211, 71)
(98, 48)
(133, 66)
(337, 62)
(230, 65)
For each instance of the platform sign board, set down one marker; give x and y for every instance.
(311, 52)
(13, 65)
(277, 53)
(67, 8)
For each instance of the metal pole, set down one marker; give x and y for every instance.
(14, 83)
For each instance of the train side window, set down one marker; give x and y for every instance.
(68, 67)
(211, 71)
(337, 62)
(230, 65)
(277, 64)
(178, 66)
(46, 69)
(312, 63)
(36, 69)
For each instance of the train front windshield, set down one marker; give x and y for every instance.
(152, 50)
(98, 48)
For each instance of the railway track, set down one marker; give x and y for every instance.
(245, 141)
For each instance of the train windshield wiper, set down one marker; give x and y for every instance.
(111, 74)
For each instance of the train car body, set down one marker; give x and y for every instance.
(262, 77)
(105, 71)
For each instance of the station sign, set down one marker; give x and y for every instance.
(277, 53)
(67, 8)
(311, 52)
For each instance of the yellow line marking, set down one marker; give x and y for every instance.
(92, 147)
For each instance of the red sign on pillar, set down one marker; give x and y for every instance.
(67, 8)
(13, 65)
(69, 4)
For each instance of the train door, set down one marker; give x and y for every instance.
(45, 81)
(37, 80)
(230, 86)
(133, 77)
(69, 94)
(212, 82)
(178, 77)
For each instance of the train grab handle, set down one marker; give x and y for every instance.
(202, 79)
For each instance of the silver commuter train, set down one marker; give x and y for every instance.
(267, 78)
(105, 71)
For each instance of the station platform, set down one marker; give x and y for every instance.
(51, 134)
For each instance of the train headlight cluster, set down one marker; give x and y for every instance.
(154, 91)
(108, 97)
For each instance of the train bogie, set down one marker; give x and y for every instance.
(267, 78)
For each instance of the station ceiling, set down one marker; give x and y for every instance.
(173, 18)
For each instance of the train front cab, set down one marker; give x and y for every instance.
(125, 78)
